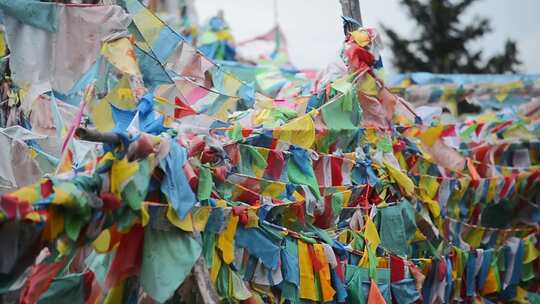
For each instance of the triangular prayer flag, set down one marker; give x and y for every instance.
(371, 235)
(399, 177)
(182, 109)
(375, 296)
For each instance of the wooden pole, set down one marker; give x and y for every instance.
(351, 9)
(153, 5)
(96, 136)
(206, 288)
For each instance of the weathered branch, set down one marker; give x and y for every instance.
(206, 287)
(96, 136)
(351, 9)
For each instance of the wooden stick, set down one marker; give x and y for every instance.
(96, 136)
(351, 9)
(206, 287)
(153, 5)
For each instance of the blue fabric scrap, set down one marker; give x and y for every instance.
(175, 184)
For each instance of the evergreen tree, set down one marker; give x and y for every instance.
(442, 43)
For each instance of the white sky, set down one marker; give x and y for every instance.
(314, 31)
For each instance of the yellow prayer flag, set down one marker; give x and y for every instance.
(432, 205)
(307, 277)
(53, 227)
(102, 243)
(186, 224)
(521, 296)
(474, 237)
(273, 189)
(491, 285)
(226, 240)
(401, 178)
(507, 88)
(32, 216)
(231, 84)
(62, 247)
(371, 234)
(122, 95)
(121, 54)
(364, 261)
(200, 217)
(300, 131)
(145, 217)
(61, 197)
(216, 266)
(223, 112)
(262, 116)
(431, 135)
(29, 194)
(116, 294)
(253, 219)
(361, 38)
(3, 45)
(492, 186)
(121, 172)
(368, 86)
(429, 185)
(101, 113)
(325, 279)
(531, 252)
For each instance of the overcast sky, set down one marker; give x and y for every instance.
(313, 27)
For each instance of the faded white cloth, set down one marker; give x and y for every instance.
(42, 60)
(18, 168)
(267, 277)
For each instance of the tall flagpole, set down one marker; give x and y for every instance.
(351, 9)
(275, 13)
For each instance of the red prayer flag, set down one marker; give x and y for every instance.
(39, 281)
(127, 261)
(182, 109)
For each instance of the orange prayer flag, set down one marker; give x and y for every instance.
(375, 296)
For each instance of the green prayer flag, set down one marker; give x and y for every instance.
(397, 225)
(209, 243)
(168, 257)
(289, 291)
(222, 282)
(338, 119)
(385, 145)
(372, 263)
(99, 263)
(298, 177)
(132, 196)
(235, 133)
(528, 272)
(135, 191)
(68, 289)
(347, 103)
(205, 183)
(355, 291)
(342, 85)
(240, 291)
(467, 133)
(35, 13)
(337, 206)
(533, 297)
(258, 159)
(73, 225)
(318, 287)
